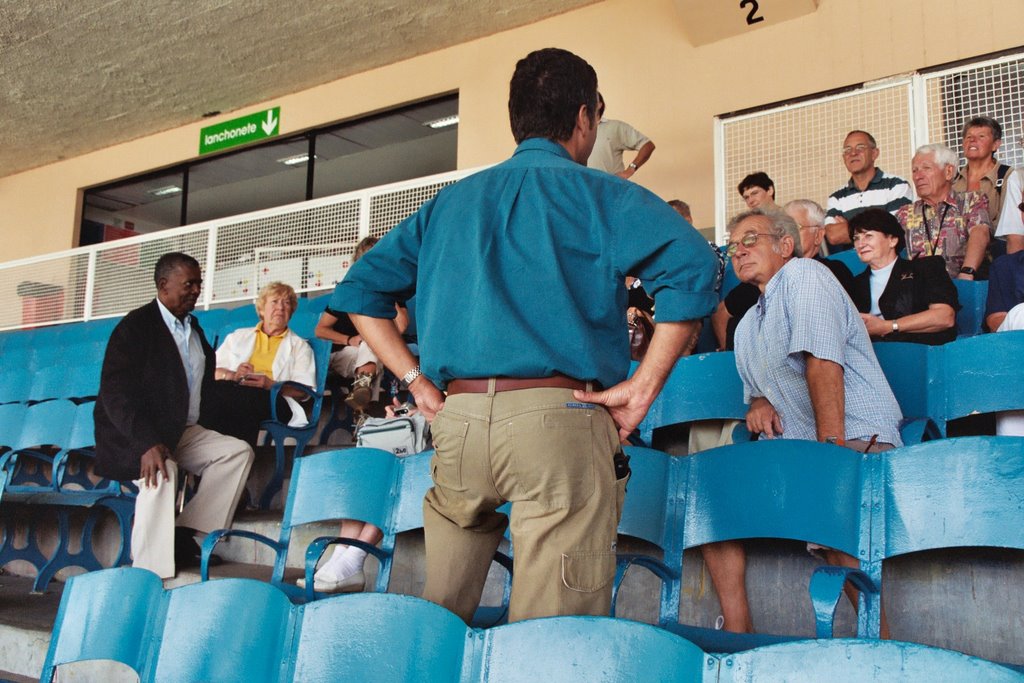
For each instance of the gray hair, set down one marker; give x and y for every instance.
(781, 226)
(815, 213)
(943, 155)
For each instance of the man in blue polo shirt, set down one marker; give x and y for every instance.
(542, 246)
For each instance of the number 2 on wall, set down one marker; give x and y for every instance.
(751, 18)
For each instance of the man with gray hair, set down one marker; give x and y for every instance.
(943, 222)
(807, 216)
(808, 372)
(869, 187)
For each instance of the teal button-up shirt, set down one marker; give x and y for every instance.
(519, 270)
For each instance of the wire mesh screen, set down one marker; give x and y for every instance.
(388, 209)
(46, 291)
(124, 274)
(992, 89)
(799, 146)
(237, 276)
(306, 269)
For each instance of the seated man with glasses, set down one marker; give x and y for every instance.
(808, 372)
(869, 187)
(809, 217)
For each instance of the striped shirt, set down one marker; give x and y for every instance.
(805, 310)
(884, 192)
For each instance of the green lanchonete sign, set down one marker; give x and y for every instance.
(240, 131)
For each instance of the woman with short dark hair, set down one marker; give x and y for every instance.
(900, 300)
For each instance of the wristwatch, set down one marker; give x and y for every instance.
(633, 166)
(410, 377)
(895, 326)
(835, 440)
(967, 270)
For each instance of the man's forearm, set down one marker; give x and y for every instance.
(385, 340)
(977, 241)
(828, 398)
(667, 343)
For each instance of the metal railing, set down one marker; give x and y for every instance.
(307, 245)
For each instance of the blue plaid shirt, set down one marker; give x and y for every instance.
(804, 310)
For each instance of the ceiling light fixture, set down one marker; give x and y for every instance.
(296, 159)
(452, 120)
(164, 191)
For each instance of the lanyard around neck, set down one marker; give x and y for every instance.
(927, 228)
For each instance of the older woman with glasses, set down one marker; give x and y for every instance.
(900, 300)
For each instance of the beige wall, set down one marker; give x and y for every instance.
(649, 73)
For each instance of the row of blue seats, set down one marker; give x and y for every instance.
(64, 361)
(242, 630)
(933, 384)
(873, 507)
(47, 449)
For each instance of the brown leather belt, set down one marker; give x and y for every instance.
(481, 385)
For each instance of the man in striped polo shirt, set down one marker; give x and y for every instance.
(869, 187)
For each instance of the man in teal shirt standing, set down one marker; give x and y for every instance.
(518, 273)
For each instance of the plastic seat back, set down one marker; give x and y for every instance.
(977, 377)
(651, 489)
(841, 661)
(972, 296)
(906, 367)
(849, 259)
(703, 387)
(354, 483)
(378, 637)
(12, 419)
(224, 630)
(588, 649)
(107, 614)
(48, 423)
(949, 493)
(800, 490)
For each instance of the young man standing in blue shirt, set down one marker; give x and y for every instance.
(543, 244)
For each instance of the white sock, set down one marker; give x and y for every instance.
(344, 563)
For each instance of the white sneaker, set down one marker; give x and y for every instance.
(328, 584)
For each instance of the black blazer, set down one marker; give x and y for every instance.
(912, 287)
(143, 399)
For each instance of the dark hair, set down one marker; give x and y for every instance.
(166, 264)
(758, 179)
(983, 122)
(600, 104)
(547, 90)
(878, 220)
(681, 207)
(870, 137)
(364, 246)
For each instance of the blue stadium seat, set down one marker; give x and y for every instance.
(906, 368)
(105, 615)
(380, 637)
(850, 259)
(841, 661)
(278, 429)
(918, 486)
(971, 316)
(973, 375)
(800, 490)
(226, 630)
(589, 649)
(648, 514)
(703, 387)
(355, 483)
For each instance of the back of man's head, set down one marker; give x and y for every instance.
(759, 179)
(167, 263)
(546, 92)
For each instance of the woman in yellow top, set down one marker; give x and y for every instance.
(252, 359)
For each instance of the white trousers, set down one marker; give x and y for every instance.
(223, 462)
(344, 361)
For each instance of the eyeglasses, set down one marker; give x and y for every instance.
(859, 149)
(748, 240)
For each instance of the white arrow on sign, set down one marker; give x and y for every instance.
(270, 124)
